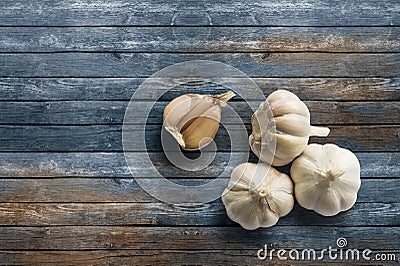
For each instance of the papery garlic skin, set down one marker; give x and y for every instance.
(193, 119)
(326, 178)
(290, 128)
(258, 195)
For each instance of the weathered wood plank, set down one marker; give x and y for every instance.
(81, 89)
(96, 164)
(245, 256)
(200, 39)
(222, 12)
(109, 138)
(113, 112)
(254, 64)
(195, 238)
(162, 214)
(127, 190)
(351, 137)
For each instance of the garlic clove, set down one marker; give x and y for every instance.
(282, 95)
(193, 119)
(291, 106)
(293, 124)
(202, 130)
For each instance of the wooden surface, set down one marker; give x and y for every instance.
(68, 69)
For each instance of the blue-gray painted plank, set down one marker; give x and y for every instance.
(113, 112)
(105, 190)
(112, 164)
(98, 89)
(163, 214)
(196, 238)
(254, 64)
(200, 39)
(241, 256)
(109, 138)
(221, 12)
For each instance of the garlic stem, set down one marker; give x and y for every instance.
(319, 131)
(226, 96)
(262, 193)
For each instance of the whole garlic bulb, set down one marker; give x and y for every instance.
(258, 195)
(327, 178)
(290, 128)
(193, 119)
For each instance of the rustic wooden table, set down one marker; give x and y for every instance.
(68, 69)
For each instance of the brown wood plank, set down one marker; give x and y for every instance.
(113, 112)
(246, 257)
(357, 138)
(200, 39)
(162, 214)
(115, 64)
(349, 137)
(127, 190)
(100, 164)
(195, 238)
(98, 89)
(221, 12)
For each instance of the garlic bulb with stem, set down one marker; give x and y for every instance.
(285, 119)
(326, 178)
(193, 119)
(258, 195)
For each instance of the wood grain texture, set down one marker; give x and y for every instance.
(109, 138)
(68, 69)
(246, 257)
(222, 12)
(112, 164)
(194, 238)
(105, 190)
(98, 89)
(200, 39)
(113, 112)
(162, 214)
(117, 64)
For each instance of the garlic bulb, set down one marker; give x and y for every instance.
(258, 195)
(327, 179)
(193, 119)
(291, 119)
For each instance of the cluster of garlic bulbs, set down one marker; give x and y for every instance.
(324, 178)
